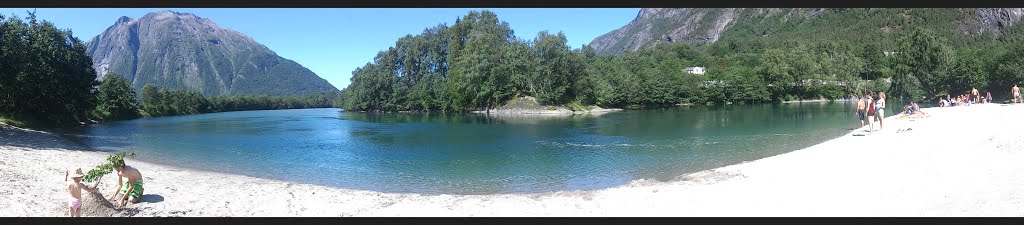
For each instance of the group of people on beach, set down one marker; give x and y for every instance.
(130, 191)
(974, 97)
(870, 109)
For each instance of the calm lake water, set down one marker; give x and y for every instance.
(474, 154)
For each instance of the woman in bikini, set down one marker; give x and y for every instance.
(871, 114)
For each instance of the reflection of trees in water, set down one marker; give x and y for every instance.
(535, 119)
(500, 153)
(428, 128)
(391, 118)
(463, 118)
(473, 154)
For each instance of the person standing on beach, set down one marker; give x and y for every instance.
(130, 191)
(861, 113)
(988, 97)
(871, 113)
(1016, 93)
(880, 109)
(977, 96)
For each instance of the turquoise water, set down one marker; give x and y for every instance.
(473, 154)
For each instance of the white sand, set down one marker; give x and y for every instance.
(961, 161)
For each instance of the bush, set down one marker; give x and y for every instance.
(577, 106)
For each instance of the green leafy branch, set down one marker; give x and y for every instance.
(113, 160)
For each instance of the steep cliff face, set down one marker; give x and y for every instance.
(654, 26)
(992, 20)
(184, 51)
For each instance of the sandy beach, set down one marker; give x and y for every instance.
(960, 161)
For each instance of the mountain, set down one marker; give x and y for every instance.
(653, 26)
(185, 52)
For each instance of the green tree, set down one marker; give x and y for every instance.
(873, 60)
(966, 70)
(1009, 71)
(475, 80)
(45, 74)
(116, 99)
(150, 94)
(553, 79)
(775, 70)
(921, 63)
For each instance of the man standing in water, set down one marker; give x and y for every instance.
(861, 113)
(131, 190)
(1016, 94)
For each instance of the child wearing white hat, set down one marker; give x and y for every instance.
(75, 187)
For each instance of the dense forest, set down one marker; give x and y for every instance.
(46, 79)
(478, 63)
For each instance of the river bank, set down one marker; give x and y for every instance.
(943, 166)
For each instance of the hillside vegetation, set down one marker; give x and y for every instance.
(765, 56)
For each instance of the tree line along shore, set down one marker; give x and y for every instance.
(478, 64)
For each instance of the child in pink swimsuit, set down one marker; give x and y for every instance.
(75, 187)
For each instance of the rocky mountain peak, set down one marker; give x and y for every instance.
(183, 51)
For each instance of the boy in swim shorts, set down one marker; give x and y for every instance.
(131, 190)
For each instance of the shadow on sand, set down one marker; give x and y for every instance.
(32, 139)
(150, 198)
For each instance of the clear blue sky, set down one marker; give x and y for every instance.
(334, 42)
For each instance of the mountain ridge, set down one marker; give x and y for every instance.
(187, 52)
(654, 26)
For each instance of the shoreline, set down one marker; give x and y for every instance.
(890, 173)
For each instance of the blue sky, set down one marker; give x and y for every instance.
(334, 42)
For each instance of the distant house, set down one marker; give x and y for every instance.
(695, 70)
(889, 53)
